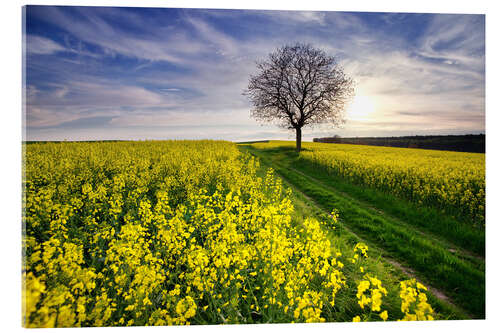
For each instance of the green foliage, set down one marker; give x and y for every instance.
(181, 232)
(460, 275)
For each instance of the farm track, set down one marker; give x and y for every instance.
(406, 270)
(456, 257)
(452, 248)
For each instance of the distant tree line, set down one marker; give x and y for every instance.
(473, 143)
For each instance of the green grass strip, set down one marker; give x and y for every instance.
(344, 240)
(427, 218)
(459, 279)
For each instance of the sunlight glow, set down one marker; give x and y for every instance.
(361, 107)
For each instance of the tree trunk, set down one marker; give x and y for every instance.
(299, 139)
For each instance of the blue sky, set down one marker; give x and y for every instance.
(147, 73)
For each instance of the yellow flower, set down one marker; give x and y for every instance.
(158, 227)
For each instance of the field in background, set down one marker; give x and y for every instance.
(473, 143)
(180, 232)
(450, 181)
(422, 209)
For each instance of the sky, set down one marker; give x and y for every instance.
(100, 73)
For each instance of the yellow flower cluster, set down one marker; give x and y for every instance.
(414, 301)
(360, 249)
(167, 233)
(370, 292)
(374, 291)
(174, 233)
(451, 180)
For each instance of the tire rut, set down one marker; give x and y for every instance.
(452, 248)
(439, 294)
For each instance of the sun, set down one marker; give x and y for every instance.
(361, 107)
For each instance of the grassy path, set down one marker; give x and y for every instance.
(469, 239)
(447, 267)
(463, 253)
(389, 271)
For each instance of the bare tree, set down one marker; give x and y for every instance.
(299, 85)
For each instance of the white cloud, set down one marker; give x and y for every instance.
(94, 29)
(97, 94)
(171, 89)
(223, 44)
(459, 39)
(298, 17)
(45, 117)
(113, 94)
(410, 81)
(42, 45)
(145, 118)
(31, 91)
(60, 93)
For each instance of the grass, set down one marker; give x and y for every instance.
(417, 237)
(427, 219)
(344, 240)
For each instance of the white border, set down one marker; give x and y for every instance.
(11, 153)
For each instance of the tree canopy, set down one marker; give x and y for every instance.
(299, 85)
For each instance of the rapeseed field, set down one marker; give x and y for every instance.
(179, 233)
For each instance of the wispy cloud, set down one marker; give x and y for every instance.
(42, 45)
(458, 39)
(136, 72)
